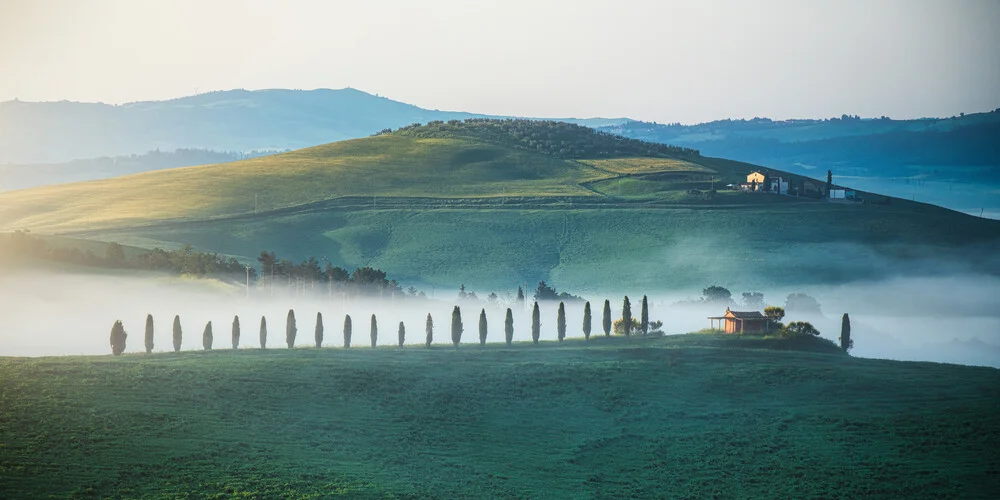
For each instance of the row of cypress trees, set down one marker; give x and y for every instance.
(118, 334)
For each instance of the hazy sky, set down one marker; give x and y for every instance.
(657, 60)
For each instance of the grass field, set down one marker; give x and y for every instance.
(690, 416)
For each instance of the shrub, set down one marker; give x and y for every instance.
(619, 326)
(290, 329)
(177, 333)
(374, 331)
(482, 327)
(536, 324)
(508, 327)
(206, 337)
(456, 326)
(149, 333)
(586, 321)
(263, 332)
(656, 328)
(798, 329)
(429, 330)
(118, 337)
(236, 332)
(319, 330)
(402, 334)
(347, 331)
(561, 322)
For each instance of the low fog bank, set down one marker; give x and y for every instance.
(954, 319)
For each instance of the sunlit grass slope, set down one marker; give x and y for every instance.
(687, 417)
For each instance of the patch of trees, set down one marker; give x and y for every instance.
(559, 139)
(546, 292)
(309, 275)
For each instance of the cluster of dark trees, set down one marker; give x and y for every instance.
(308, 275)
(559, 139)
(795, 302)
(642, 324)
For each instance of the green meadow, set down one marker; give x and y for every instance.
(689, 416)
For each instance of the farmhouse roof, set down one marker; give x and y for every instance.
(746, 314)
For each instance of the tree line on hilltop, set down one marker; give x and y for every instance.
(559, 139)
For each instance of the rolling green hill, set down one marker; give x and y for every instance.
(688, 416)
(493, 203)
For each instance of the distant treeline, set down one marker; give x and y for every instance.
(559, 139)
(308, 275)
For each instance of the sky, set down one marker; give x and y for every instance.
(656, 60)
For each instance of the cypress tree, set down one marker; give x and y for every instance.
(606, 323)
(644, 316)
(149, 333)
(845, 333)
(206, 337)
(536, 324)
(263, 332)
(561, 322)
(508, 327)
(118, 337)
(429, 328)
(319, 330)
(520, 295)
(829, 182)
(456, 326)
(347, 331)
(586, 321)
(177, 333)
(290, 329)
(482, 327)
(402, 334)
(627, 316)
(236, 332)
(374, 333)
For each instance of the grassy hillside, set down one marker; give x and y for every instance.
(687, 416)
(493, 203)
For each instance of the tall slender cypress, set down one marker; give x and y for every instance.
(561, 322)
(508, 327)
(347, 331)
(263, 332)
(586, 321)
(149, 333)
(290, 329)
(536, 324)
(177, 333)
(207, 337)
(236, 332)
(456, 326)
(402, 334)
(374, 332)
(846, 343)
(482, 327)
(429, 330)
(627, 317)
(606, 323)
(644, 316)
(318, 337)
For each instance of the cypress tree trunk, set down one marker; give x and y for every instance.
(586, 321)
(149, 333)
(402, 334)
(627, 317)
(606, 322)
(508, 327)
(644, 316)
(482, 327)
(177, 333)
(318, 333)
(290, 329)
(456, 326)
(236, 332)
(374, 333)
(845, 333)
(429, 329)
(536, 324)
(347, 331)
(206, 337)
(263, 332)
(118, 337)
(561, 322)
